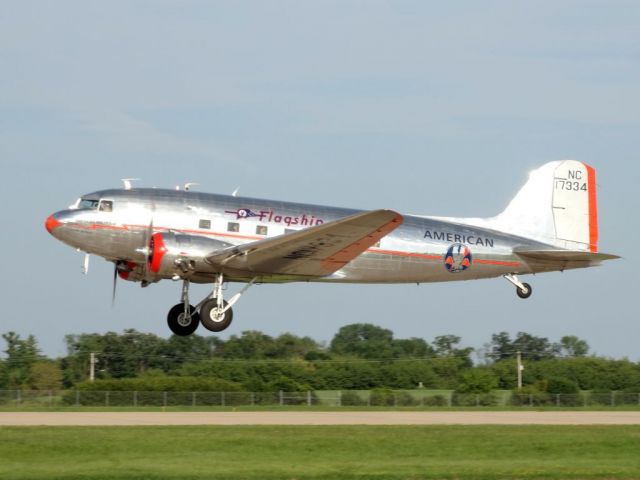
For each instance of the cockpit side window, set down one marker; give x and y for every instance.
(106, 206)
(88, 204)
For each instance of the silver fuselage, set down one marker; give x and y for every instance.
(413, 253)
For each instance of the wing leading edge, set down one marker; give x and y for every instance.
(314, 252)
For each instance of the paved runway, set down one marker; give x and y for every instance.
(317, 418)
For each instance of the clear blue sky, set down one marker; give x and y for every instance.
(437, 108)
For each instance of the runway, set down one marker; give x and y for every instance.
(316, 418)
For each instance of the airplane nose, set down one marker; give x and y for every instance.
(51, 223)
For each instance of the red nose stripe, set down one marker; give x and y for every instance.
(51, 223)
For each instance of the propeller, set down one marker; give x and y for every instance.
(115, 283)
(147, 245)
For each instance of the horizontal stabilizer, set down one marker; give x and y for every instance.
(562, 259)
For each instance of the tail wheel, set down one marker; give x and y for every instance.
(211, 317)
(524, 292)
(181, 324)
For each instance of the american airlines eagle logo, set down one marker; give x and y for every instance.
(458, 258)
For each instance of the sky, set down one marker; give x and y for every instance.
(433, 108)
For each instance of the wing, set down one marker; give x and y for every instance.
(562, 259)
(315, 251)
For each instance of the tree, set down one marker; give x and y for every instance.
(501, 346)
(530, 346)
(173, 353)
(445, 347)
(477, 380)
(251, 344)
(535, 348)
(21, 355)
(4, 380)
(572, 346)
(119, 355)
(45, 375)
(363, 340)
(412, 347)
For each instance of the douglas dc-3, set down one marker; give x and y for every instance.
(155, 234)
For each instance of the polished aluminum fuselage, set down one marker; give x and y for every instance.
(413, 253)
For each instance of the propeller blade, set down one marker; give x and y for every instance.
(115, 283)
(147, 246)
(85, 264)
(147, 242)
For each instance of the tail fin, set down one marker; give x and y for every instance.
(557, 205)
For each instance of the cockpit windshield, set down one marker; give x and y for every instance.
(100, 205)
(88, 204)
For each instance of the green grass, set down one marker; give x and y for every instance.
(340, 452)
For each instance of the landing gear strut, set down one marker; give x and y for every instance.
(183, 319)
(214, 312)
(523, 290)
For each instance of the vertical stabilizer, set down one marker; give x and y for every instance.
(557, 205)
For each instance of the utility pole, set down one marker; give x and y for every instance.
(520, 369)
(92, 367)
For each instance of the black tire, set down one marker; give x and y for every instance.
(177, 323)
(524, 293)
(208, 318)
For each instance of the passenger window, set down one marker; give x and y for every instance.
(205, 224)
(106, 206)
(261, 230)
(233, 227)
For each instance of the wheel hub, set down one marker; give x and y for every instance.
(216, 315)
(184, 320)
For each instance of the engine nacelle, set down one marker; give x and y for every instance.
(131, 271)
(178, 254)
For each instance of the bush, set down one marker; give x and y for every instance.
(385, 397)
(473, 399)
(151, 390)
(627, 398)
(529, 396)
(349, 399)
(477, 380)
(285, 384)
(405, 399)
(435, 401)
(382, 397)
(561, 385)
(161, 384)
(600, 397)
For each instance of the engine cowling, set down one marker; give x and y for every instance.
(130, 271)
(173, 254)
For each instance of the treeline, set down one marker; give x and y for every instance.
(359, 357)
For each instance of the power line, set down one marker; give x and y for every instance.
(85, 355)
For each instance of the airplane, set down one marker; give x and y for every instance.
(152, 234)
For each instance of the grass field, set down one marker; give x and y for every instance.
(391, 452)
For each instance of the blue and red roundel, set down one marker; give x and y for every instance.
(458, 258)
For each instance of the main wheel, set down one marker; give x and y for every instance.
(210, 317)
(526, 292)
(181, 324)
